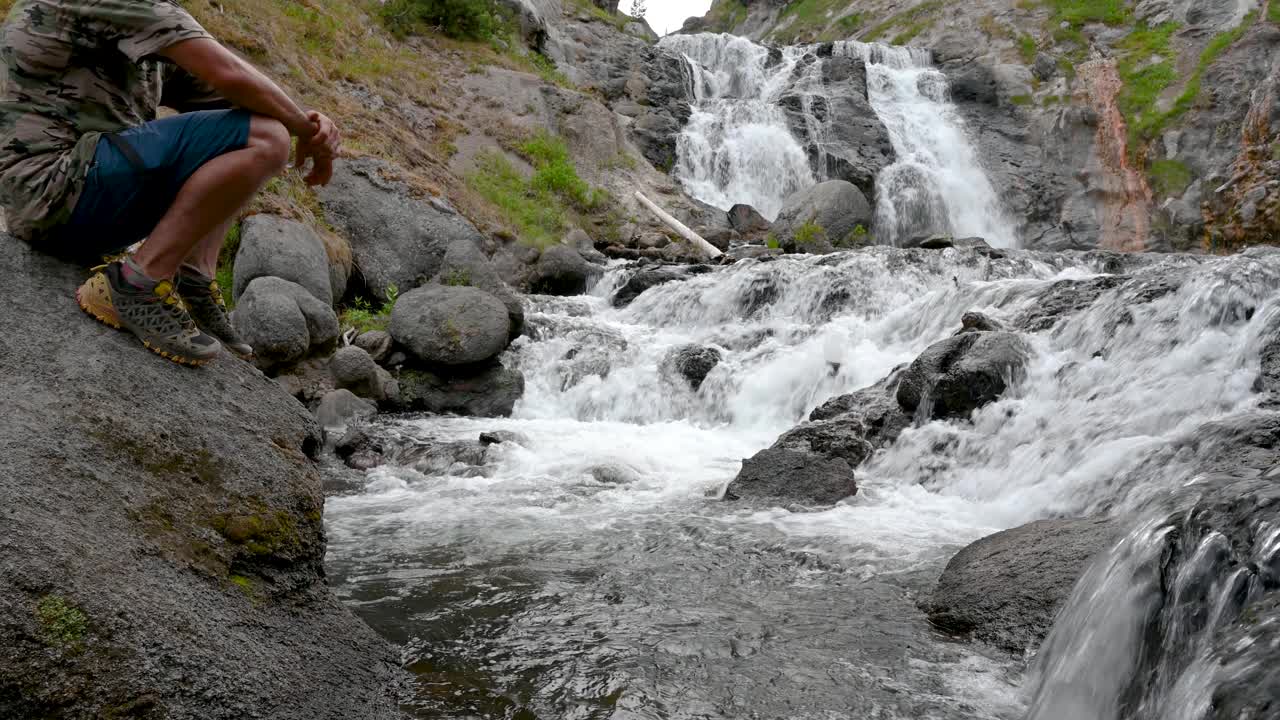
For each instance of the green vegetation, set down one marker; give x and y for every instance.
(1150, 124)
(245, 584)
(363, 317)
(858, 237)
(810, 233)
(1146, 68)
(536, 207)
(264, 533)
(1020, 100)
(771, 242)
(457, 278)
(62, 625)
(850, 23)
(226, 260)
(461, 19)
(804, 18)
(726, 15)
(617, 20)
(916, 20)
(1169, 178)
(1273, 12)
(1027, 48)
(1080, 12)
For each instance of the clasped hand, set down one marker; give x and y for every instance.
(321, 148)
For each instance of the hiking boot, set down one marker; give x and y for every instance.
(204, 301)
(155, 316)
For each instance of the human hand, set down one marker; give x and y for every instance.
(321, 148)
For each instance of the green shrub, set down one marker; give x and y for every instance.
(1020, 99)
(1273, 12)
(918, 18)
(809, 233)
(1027, 48)
(1169, 178)
(771, 242)
(362, 317)
(462, 19)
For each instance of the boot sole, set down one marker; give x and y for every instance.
(106, 315)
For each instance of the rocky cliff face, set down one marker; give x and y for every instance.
(162, 532)
(1127, 125)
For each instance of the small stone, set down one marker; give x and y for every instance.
(377, 343)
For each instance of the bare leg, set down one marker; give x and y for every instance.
(204, 257)
(210, 200)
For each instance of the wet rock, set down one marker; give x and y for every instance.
(396, 239)
(562, 271)
(1006, 589)
(1063, 299)
(491, 391)
(652, 240)
(644, 280)
(962, 373)
(754, 252)
(693, 363)
(853, 144)
(500, 437)
(272, 246)
(143, 554)
(437, 458)
(283, 321)
(815, 461)
(451, 325)
(1045, 67)
(340, 407)
(974, 321)
(359, 449)
(746, 220)
(1250, 646)
(787, 474)
(377, 343)
(833, 209)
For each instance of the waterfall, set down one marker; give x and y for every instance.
(936, 184)
(739, 148)
(736, 147)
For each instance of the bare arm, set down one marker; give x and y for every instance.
(240, 83)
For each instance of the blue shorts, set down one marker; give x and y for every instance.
(124, 197)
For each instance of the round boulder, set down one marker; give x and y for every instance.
(283, 321)
(272, 246)
(377, 343)
(833, 209)
(353, 369)
(1006, 589)
(451, 325)
(561, 270)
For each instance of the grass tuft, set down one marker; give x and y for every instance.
(916, 20)
(1169, 178)
(62, 625)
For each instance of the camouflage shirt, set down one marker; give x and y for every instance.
(71, 70)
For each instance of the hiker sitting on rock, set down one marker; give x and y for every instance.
(87, 170)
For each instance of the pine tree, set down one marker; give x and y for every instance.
(637, 9)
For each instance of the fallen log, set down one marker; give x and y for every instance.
(711, 251)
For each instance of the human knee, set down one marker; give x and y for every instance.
(270, 140)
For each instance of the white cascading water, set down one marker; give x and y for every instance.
(936, 182)
(586, 570)
(737, 147)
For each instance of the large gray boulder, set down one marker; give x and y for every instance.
(1006, 589)
(283, 321)
(834, 209)
(273, 246)
(353, 369)
(772, 474)
(446, 325)
(561, 270)
(489, 392)
(396, 238)
(464, 265)
(645, 279)
(954, 377)
(175, 568)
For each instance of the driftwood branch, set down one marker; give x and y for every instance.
(711, 251)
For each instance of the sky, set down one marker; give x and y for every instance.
(668, 15)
